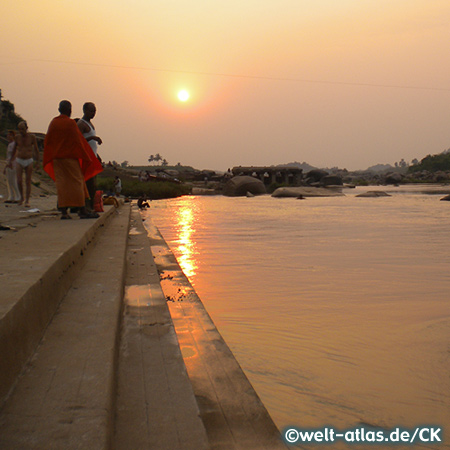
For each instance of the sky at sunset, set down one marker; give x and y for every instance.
(348, 83)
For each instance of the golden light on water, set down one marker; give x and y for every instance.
(186, 245)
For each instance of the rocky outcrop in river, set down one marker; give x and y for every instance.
(239, 186)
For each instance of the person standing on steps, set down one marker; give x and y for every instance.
(27, 155)
(117, 186)
(10, 170)
(88, 130)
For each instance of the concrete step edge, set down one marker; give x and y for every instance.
(232, 412)
(155, 404)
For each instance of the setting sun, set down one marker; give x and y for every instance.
(183, 95)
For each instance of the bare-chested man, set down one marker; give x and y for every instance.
(27, 155)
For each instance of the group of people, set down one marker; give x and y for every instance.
(70, 158)
(144, 176)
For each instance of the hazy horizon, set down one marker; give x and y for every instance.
(290, 163)
(350, 85)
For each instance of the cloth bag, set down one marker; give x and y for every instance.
(98, 201)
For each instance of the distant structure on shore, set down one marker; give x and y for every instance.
(272, 174)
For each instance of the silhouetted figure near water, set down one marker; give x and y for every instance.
(142, 202)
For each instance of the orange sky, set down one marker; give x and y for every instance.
(350, 83)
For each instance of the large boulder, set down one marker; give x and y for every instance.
(239, 186)
(331, 180)
(315, 175)
(393, 178)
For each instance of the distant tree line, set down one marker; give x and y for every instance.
(433, 163)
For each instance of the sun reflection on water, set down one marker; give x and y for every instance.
(186, 251)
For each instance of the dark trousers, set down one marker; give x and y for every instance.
(91, 185)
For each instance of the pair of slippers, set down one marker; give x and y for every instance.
(89, 215)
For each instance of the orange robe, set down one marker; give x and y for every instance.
(69, 160)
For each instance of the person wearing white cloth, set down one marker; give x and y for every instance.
(117, 186)
(87, 128)
(27, 156)
(10, 170)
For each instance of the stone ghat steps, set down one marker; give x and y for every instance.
(37, 266)
(64, 397)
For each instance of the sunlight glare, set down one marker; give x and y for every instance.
(183, 95)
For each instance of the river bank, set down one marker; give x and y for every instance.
(102, 367)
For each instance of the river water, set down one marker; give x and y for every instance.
(337, 309)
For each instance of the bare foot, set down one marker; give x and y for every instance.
(27, 205)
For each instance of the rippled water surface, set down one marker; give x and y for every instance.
(338, 309)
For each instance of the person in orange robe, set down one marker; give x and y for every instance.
(70, 161)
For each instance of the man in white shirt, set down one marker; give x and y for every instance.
(87, 128)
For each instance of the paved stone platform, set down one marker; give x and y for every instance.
(64, 397)
(40, 256)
